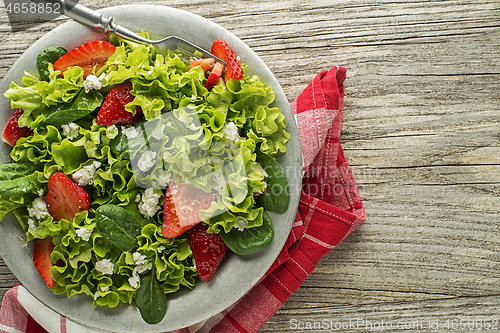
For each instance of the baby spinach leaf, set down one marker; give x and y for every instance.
(16, 178)
(118, 226)
(62, 117)
(50, 54)
(277, 195)
(151, 300)
(119, 146)
(250, 240)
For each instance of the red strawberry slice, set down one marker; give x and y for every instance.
(206, 63)
(181, 208)
(214, 76)
(208, 250)
(113, 108)
(65, 198)
(41, 257)
(87, 56)
(221, 50)
(13, 132)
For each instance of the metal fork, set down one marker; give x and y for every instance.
(96, 20)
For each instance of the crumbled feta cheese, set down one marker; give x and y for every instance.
(194, 127)
(70, 131)
(104, 288)
(164, 179)
(193, 98)
(160, 249)
(31, 224)
(111, 132)
(93, 82)
(158, 132)
(130, 132)
(105, 266)
(96, 295)
(240, 223)
(39, 209)
(90, 148)
(84, 234)
(85, 175)
(139, 259)
(40, 191)
(134, 281)
(148, 203)
(144, 267)
(146, 161)
(231, 132)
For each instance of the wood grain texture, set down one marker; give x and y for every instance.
(421, 132)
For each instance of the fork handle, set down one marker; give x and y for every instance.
(93, 19)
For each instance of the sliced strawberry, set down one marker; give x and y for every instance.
(221, 50)
(65, 198)
(181, 208)
(13, 132)
(113, 108)
(87, 56)
(208, 250)
(214, 76)
(206, 63)
(41, 257)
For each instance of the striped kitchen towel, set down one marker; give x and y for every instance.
(330, 208)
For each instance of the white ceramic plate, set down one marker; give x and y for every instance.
(236, 275)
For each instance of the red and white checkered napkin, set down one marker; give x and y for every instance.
(330, 208)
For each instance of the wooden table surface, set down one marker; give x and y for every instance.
(421, 132)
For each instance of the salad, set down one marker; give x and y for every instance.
(135, 171)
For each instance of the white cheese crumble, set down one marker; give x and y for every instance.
(85, 175)
(231, 132)
(40, 191)
(104, 288)
(146, 161)
(130, 132)
(164, 179)
(93, 82)
(240, 223)
(148, 203)
(111, 132)
(139, 258)
(105, 266)
(31, 224)
(193, 98)
(158, 132)
(134, 280)
(160, 249)
(70, 131)
(194, 127)
(84, 234)
(39, 209)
